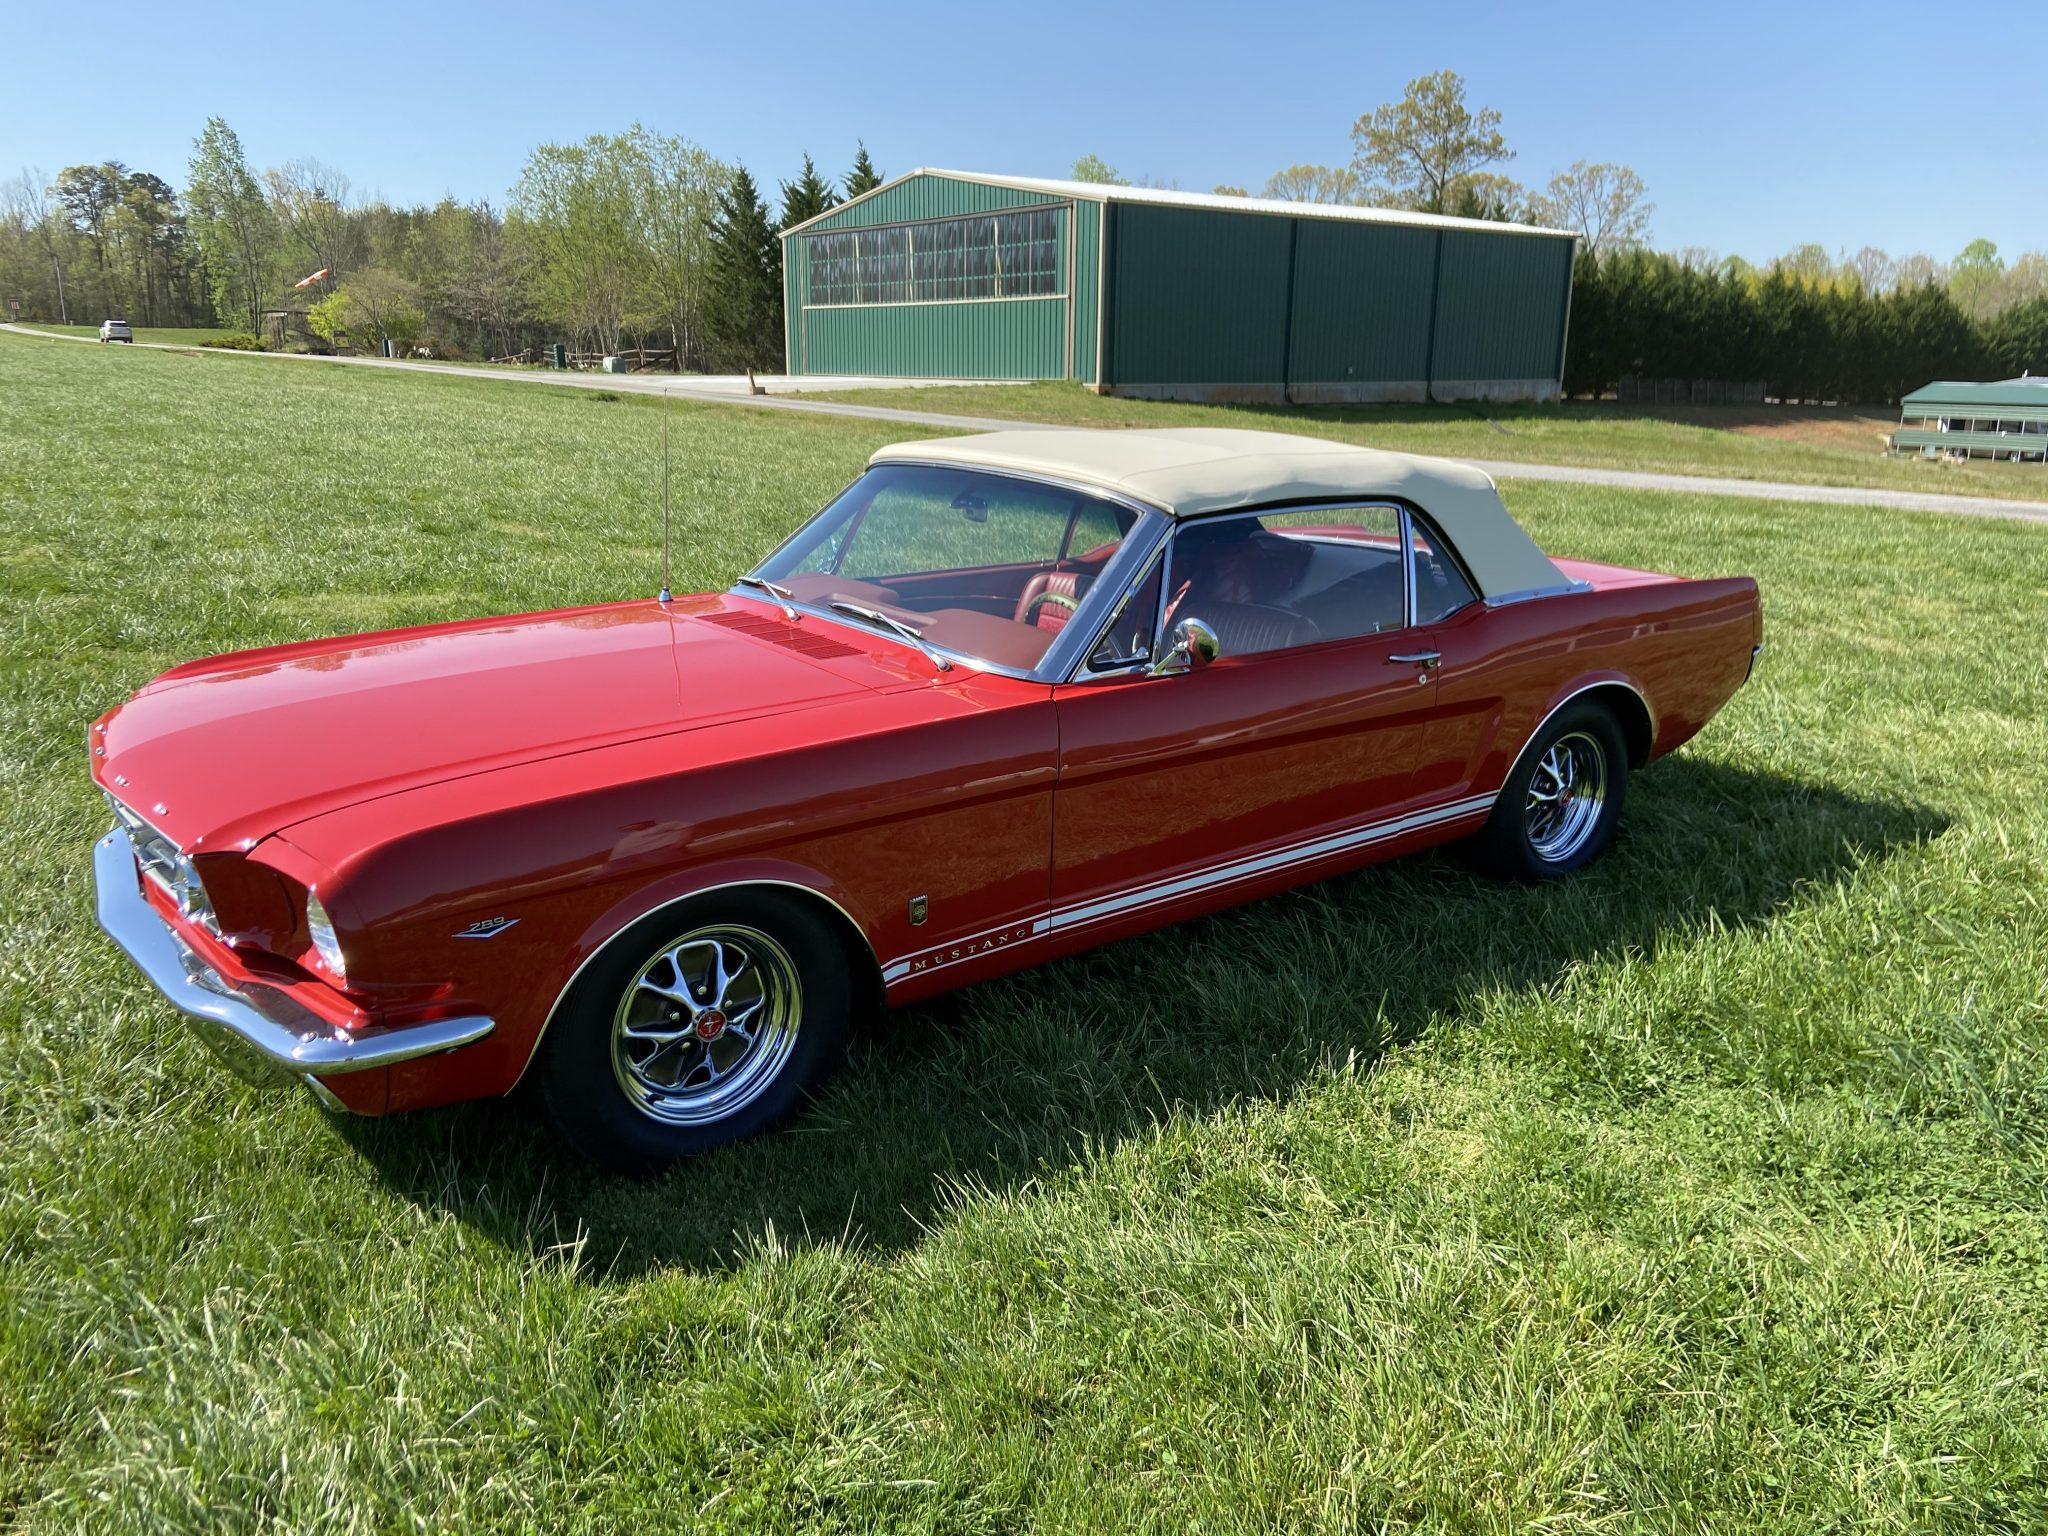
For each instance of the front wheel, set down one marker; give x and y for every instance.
(1558, 811)
(702, 1024)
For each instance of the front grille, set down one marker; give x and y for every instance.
(161, 862)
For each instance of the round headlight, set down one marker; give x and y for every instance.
(321, 928)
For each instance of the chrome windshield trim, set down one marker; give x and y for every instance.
(263, 1034)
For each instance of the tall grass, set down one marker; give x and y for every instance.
(1704, 1192)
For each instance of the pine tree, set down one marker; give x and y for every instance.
(746, 280)
(806, 197)
(863, 177)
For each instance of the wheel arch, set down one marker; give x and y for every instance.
(1621, 697)
(864, 967)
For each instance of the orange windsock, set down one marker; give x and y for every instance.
(307, 282)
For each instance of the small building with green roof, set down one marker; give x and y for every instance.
(2005, 420)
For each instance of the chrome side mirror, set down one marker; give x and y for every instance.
(1194, 646)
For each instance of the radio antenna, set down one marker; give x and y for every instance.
(666, 595)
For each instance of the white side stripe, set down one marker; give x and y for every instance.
(1245, 869)
(1141, 897)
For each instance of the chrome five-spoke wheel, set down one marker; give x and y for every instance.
(1567, 793)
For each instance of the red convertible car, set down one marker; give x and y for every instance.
(1005, 698)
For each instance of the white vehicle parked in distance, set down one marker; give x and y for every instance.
(117, 330)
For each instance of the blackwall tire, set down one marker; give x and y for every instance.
(703, 1024)
(1562, 801)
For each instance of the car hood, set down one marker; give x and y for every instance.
(221, 753)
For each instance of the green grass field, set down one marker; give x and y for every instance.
(1804, 447)
(169, 335)
(1705, 1192)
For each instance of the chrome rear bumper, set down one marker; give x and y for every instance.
(265, 1035)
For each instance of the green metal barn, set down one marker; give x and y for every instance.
(1175, 295)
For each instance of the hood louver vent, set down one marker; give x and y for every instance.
(780, 632)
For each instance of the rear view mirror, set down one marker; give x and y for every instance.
(974, 508)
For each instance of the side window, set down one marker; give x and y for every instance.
(1128, 640)
(1440, 587)
(1277, 580)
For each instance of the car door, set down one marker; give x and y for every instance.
(1273, 762)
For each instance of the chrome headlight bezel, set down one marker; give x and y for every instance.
(326, 942)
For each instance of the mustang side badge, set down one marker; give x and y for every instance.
(488, 928)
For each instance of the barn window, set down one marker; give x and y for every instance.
(988, 256)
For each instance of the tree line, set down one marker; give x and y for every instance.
(1802, 336)
(637, 238)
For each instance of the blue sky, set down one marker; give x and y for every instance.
(1757, 127)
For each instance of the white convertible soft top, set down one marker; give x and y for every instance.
(1188, 471)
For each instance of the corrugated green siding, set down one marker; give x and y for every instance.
(1006, 339)
(1082, 283)
(1362, 299)
(1197, 297)
(926, 197)
(997, 339)
(1500, 306)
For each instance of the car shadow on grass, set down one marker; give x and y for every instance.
(1016, 1079)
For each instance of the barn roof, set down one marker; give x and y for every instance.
(1102, 192)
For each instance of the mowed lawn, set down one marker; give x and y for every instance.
(1791, 445)
(1706, 1192)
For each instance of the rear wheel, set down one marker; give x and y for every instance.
(702, 1024)
(1558, 811)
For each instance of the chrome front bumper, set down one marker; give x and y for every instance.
(265, 1035)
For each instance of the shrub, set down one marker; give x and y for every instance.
(235, 341)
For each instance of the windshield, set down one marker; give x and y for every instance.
(983, 566)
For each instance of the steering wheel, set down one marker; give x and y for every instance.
(1057, 599)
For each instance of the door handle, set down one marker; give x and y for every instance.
(1424, 659)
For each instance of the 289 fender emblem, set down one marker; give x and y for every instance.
(487, 928)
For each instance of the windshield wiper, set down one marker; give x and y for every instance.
(781, 594)
(895, 627)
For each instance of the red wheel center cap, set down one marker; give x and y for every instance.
(710, 1025)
